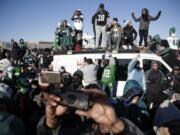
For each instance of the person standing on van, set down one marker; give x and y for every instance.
(78, 28)
(66, 36)
(144, 20)
(100, 19)
(108, 77)
(154, 82)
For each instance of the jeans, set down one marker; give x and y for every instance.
(111, 89)
(143, 34)
(101, 30)
(66, 48)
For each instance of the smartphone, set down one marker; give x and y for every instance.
(51, 77)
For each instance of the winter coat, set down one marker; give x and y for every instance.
(136, 74)
(154, 81)
(129, 33)
(144, 25)
(16, 53)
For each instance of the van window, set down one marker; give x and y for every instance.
(164, 69)
(121, 69)
(147, 66)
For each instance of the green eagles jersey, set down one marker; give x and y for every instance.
(66, 37)
(108, 76)
(56, 43)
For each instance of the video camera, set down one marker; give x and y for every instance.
(73, 98)
(69, 97)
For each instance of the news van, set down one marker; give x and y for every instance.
(72, 62)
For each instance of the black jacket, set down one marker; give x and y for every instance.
(129, 33)
(16, 53)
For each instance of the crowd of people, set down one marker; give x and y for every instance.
(150, 103)
(109, 35)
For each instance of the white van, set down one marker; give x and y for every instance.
(73, 61)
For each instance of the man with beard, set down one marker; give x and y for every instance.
(154, 81)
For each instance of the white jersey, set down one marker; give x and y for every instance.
(173, 41)
(78, 22)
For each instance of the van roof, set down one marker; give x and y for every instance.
(94, 51)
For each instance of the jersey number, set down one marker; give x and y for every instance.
(101, 18)
(106, 73)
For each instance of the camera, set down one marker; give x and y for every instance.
(73, 98)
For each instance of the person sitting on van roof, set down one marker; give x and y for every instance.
(129, 34)
(114, 38)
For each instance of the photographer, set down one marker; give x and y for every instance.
(101, 112)
(114, 38)
(78, 18)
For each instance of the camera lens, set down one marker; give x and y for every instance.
(71, 99)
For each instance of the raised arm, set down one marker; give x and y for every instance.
(111, 60)
(132, 64)
(156, 17)
(135, 18)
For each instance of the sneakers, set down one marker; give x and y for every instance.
(130, 46)
(124, 47)
(69, 52)
(127, 47)
(102, 49)
(115, 51)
